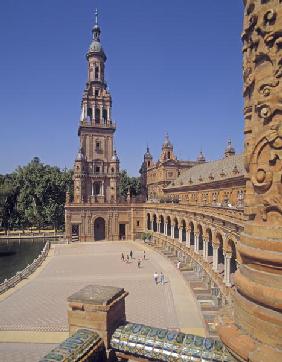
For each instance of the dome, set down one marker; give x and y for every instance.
(230, 150)
(201, 157)
(80, 155)
(115, 156)
(148, 154)
(167, 142)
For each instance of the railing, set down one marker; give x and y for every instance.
(32, 235)
(26, 272)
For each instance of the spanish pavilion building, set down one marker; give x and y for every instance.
(219, 216)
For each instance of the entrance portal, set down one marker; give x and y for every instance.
(122, 231)
(74, 232)
(99, 229)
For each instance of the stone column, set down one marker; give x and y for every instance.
(158, 227)
(196, 242)
(92, 188)
(152, 225)
(215, 257)
(258, 297)
(172, 231)
(227, 261)
(180, 234)
(165, 228)
(188, 240)
(206, 248)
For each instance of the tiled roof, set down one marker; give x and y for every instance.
(232, 166)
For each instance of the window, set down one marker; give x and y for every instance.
(96, 92)
(168, 155)
(97, 169)
(98, 145)
(113, 170)
(96, 72)
(138, 223)
(149, 163)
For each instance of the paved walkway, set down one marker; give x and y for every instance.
(36, 313)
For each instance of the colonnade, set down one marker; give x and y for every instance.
(212, 246)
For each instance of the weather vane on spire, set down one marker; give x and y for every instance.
(96, 16)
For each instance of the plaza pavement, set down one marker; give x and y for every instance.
(33, 316)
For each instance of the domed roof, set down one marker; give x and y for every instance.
(115, 156)
(167, 142)
(201, 157)
(229, 150)
(148, 154)
(80, 155)
(96, 47)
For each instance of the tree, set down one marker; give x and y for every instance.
(131, 183)
(34, 195)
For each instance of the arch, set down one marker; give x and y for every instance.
(183, 225)
(192, 235)
(200, 236)
(99, 229)
(219, 242)
(148, 221)
(168, 220)
(154, 222)
(97, 115)
(176, 228)
(161, 219)
(233, 263)
(209, 238)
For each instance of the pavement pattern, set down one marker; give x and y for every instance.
(40, 306)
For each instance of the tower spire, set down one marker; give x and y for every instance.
(96, 31)
(96, 16)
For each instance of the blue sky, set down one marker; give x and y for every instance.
(173, 66)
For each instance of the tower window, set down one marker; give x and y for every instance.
(96, 72)
(96, 92)
(149, 163)
(105, 115)
(138, 223)
(168, 155)
(97, 115)
(113, 170)
(97, 169)
(98, 145)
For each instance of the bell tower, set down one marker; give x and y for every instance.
(96, 172)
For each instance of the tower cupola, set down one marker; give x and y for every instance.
(201, 158)
(96, 46)
(229, 150)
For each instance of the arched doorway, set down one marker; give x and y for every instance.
(99, 229)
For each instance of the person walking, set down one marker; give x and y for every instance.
(144, 255)
(156, 277)
(131, 254)
(162, 278)
(127, 258)
(139, 263)
(178, 264)
(122, 257)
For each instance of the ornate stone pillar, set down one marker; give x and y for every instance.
(188, 242)
(165, 228)
(172, 231)
(180, 234)
(258, 299)
(206, 248)
(158, 227)
(196, 243)
(152, 225)
(227, 262)
(215, 257)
